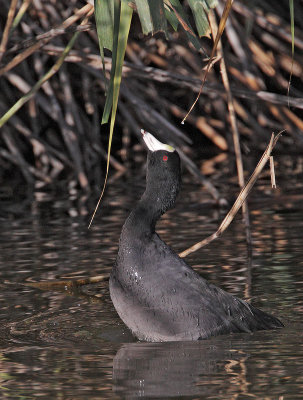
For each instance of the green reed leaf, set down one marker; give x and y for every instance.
(52, 71)
(122, 19)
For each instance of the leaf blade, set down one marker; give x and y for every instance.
(179, 14)
(144, 13)
(52, 71)
(109, 97)
(121, 31)
(199, 8)
(158, 16)
(104, 16)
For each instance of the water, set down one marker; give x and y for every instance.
(72, 345)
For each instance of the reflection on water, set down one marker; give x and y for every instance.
(72, 345)
(176, 369)
(219, 368)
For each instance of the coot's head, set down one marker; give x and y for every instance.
(163, 175)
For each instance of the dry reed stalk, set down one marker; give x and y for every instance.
(186, 82)
(84, 11)
(239, 201)
(7, 28)
(164, 71)
(68, 285)
(280, 31)
(272, 172)
(234, 127)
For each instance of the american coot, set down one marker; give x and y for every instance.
(157, 295)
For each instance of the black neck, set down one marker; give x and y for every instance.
(143, 218)
(162, 186)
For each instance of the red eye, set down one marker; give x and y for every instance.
(165, 158)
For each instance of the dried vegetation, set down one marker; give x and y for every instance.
(56, 132)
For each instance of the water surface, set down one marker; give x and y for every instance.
(72, 345)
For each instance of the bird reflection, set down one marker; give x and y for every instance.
(178, 369)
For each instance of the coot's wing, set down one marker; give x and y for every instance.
(161, 298)
(201, 306)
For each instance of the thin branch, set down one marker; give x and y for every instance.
(69, 284)
(239, 201)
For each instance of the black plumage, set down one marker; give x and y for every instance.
(155, 292)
